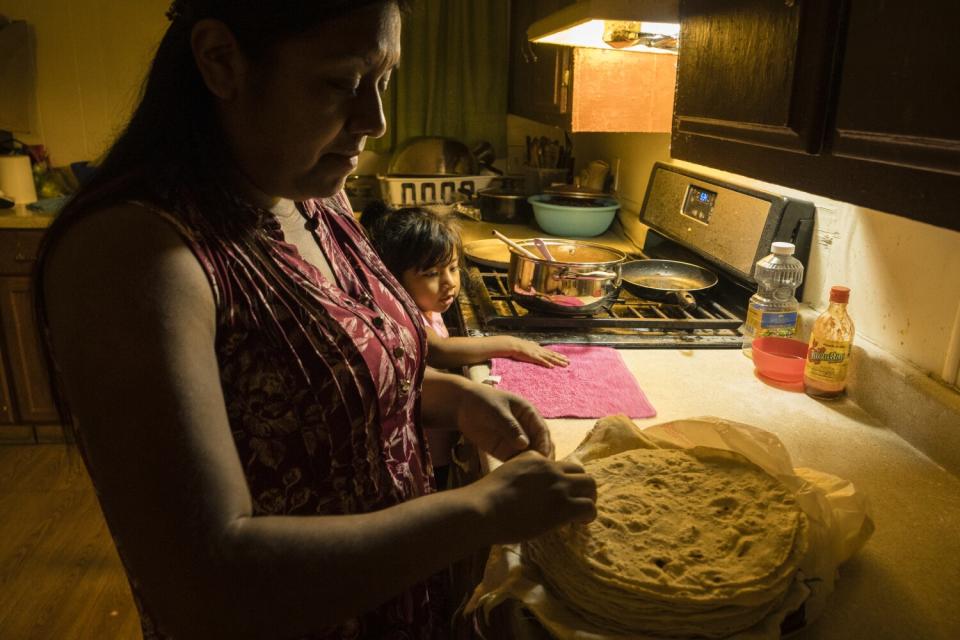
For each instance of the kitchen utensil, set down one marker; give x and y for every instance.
(780, 359)
(513, 245)
(660, 279)
(542, 248)
(551, 154)
(432, 156)
(581, 278)
(536, 180)
(489, 252)
(577, 219)
(503, 205)
(486, 156)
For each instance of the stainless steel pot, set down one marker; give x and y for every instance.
(581, 278)
(499, 205)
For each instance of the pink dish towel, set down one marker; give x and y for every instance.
(597, 383)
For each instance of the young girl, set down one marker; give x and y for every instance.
(423, 251)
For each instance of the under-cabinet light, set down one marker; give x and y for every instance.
(626, 25)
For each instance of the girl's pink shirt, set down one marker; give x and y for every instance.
(435, 321)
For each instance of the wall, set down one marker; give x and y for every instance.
(904, 275)
(92, 57)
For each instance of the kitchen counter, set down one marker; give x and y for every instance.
(613, 237)
(10, 219)
(903, 583)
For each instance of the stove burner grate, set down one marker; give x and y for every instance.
(495, 308)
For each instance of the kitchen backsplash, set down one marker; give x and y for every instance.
(904, 275)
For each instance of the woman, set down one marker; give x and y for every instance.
(246, 378)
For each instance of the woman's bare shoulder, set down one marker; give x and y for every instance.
(119, 229)
(113, 256)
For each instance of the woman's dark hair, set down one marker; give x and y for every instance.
(410, 238)
(172, 153)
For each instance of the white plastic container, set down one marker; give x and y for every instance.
(772, 311)
(409, 191)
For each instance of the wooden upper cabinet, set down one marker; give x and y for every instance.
(618, 91)
(586, 89)
(855, 101)
(540, 74)
(899, 97)
(756, 71)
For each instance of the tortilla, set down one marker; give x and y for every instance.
(684, 544)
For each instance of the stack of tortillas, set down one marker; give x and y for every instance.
(686, 544)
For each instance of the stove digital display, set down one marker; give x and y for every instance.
(699, 204)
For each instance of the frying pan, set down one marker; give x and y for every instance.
(660, 279)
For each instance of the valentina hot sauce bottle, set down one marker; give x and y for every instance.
(825, 373)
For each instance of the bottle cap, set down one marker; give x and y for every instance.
(782, 248)
(839, 294)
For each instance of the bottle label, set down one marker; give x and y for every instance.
(827, 360)
(761, 323)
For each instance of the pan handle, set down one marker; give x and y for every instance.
(685, 299)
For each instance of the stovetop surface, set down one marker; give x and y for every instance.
(485, 307)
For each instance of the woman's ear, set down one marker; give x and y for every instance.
(218, 56)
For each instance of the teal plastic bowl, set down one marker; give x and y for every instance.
(573, 221)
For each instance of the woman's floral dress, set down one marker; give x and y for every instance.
(322, 387)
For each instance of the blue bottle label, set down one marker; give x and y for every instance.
(768, 323)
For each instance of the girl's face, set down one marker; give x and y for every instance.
(436, 288)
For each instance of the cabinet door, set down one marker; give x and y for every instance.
(858, 105)
(755, 71)
(6, 409)
(899, 101)
(540, 74)
(28, 370)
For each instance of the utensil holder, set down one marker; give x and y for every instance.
(536, 179)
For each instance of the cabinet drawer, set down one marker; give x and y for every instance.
(18, 251)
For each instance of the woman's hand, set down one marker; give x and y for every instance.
(501, 423)
(530, 495)
(529, 351)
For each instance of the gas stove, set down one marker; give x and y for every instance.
(691, 218)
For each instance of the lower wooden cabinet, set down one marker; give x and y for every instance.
(6, 407)
(27, 409)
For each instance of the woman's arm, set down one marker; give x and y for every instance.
(447, 353)
(500, 423)
(132, 320)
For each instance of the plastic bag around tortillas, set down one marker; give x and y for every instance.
(839, 519)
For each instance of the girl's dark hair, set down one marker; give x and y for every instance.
(410, 238)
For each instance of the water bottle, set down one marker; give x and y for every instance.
(772, 310)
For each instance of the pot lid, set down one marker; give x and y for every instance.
(573, 191)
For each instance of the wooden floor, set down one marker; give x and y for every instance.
(60, 576)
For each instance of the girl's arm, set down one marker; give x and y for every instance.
(448, 353)
(133, 327)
